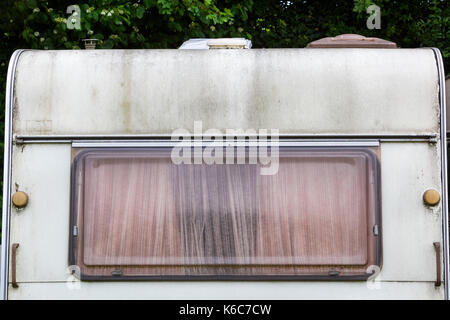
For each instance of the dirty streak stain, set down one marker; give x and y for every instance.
(125, 86)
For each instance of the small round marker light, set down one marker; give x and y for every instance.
(431, 197)
(20, 199)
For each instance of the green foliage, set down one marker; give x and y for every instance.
(117, 24)
(424, 23)
(434, 30)
(40, 24)
(411, 24)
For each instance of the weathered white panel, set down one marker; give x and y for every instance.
(409, 229)
(41, 228)
(294, 90)
(227, 290)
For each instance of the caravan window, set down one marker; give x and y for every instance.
(136, 214)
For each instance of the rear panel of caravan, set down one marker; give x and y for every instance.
(63, 101)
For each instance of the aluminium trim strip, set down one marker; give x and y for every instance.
(9, 106)
(427, 137)
(170, 143)
(445, 221)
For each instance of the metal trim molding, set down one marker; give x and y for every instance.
(9, 107)
(55, 138)
(443, 137)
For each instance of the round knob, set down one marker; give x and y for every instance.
(431, 197)
(20, 199)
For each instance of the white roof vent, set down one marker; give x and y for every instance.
(219, 43)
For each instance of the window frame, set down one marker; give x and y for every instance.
(371, 151)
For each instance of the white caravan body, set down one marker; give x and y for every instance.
(391, 100)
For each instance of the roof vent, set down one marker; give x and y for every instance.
(227, 43)
(90, 44)
(218, 43)
(351, 41)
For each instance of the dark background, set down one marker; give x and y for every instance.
(149, 24)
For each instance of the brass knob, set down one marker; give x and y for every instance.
(431, 197)
(20, 199)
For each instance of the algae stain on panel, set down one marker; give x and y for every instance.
(125, 105)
